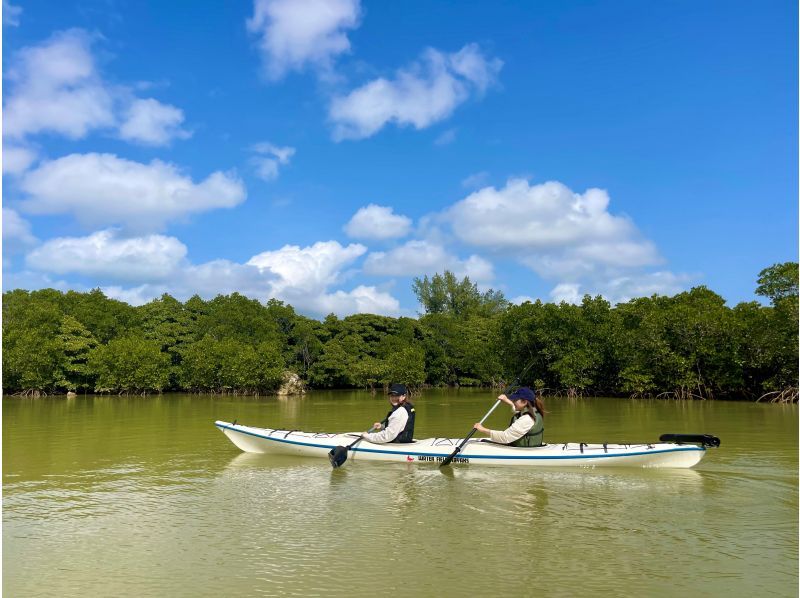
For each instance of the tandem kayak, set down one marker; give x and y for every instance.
(674, 450)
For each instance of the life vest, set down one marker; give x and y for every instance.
(535, 435)
(407, 433)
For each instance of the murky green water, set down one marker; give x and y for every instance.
(112, 496)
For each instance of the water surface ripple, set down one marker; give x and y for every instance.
(106, 496)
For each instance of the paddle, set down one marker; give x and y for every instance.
(452, 455)
(338, 455)
(702, 439)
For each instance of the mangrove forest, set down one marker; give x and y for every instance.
(690, 345)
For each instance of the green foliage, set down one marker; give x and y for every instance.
(691, 344)
(778, 281)
(229, 365)
(130, 364)
(76, 344)
(445, 294)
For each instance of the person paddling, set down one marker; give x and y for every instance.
(398, 426)
(527, 423)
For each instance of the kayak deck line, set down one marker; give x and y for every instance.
(483, 451)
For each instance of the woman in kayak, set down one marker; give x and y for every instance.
(398, 426)
(527, 423)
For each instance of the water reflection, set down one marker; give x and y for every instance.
(133, 496)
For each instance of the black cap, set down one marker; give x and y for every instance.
(397, 389)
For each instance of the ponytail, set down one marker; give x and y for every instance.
(539, 406)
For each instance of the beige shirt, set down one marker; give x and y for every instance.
(513, 432)
(396, 424)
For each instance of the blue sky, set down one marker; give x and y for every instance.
(327, 152)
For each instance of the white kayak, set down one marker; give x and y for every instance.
(681, 451)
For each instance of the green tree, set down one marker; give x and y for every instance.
(76, 344)
(778, 281)
(130, 364)
(445, 294)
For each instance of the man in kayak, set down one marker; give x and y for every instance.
(398, 426)
(527, 423)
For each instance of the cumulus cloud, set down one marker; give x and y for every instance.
(305, 277)
(207, 280)
(305, 274)
(294, 34)
(550, 228)
(377, 222)
(105, 254)
(56, 87)
(152, 123)
(568, 292)
(102, 189)
(624, 288)
(307, 269)
(17, 159)
(269, 158)
(419, 257)
(16, 232)
(424, 93)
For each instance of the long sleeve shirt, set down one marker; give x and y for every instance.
(514, 432)
(395, 425)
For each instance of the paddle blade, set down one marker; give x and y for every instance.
(337, 456)
(449, 459)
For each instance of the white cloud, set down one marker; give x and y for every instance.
(301, 276)
(566, 292)
(32, 281)
(17, 159)
(420, 95)
(307, 269)
(55, 87)
(102, 189)
(362, 299)
(152, 123)
(16, 231)
(624, 288)
(297, 33)
(446, 138)
(475, 180)
(419, 257)
(11, 14)
(269, 159)
(551, 229)
(377, 222)
(135, 295)
(105, 254)
(304, 276)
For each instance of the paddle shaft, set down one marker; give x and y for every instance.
(452, 455)
(472, 432)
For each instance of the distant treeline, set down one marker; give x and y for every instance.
(690, 345)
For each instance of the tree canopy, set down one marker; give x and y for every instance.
(688, 345)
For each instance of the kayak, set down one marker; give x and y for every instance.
(674, 450)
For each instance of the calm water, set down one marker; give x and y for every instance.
(110, 496)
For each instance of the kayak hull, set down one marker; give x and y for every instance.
(475, 452)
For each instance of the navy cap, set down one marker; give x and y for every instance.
(524, 393)
(397, 389)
